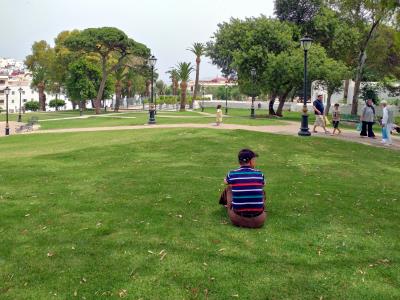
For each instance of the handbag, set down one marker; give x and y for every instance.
(359, 126)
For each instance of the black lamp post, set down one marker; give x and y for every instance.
(20, 90)
(7, 92)
(253, 96)
(152, 62)
(226, 98)
(304, 131)
(81, 104)
(202, 106)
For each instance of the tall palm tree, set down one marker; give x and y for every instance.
(184, 70)
(197, 49)
(173, 75)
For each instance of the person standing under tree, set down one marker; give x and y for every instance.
(219, 115)
(318, 106)
(336, 119)
(387, 123)
(367, 119)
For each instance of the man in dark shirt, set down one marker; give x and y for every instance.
(318, 106)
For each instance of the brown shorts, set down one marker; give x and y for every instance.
(254, 221)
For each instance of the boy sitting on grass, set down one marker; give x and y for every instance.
(244, 197)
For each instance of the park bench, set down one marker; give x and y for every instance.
(350, 118)
(28, 126)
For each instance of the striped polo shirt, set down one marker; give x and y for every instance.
(247, 189)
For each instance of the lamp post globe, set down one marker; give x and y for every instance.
(7, 92)
(152, 62)
(20, 90)
(304, 130)
(253, 73)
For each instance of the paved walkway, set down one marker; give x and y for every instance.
(291, 128)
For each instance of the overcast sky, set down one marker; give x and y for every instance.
(167, 27)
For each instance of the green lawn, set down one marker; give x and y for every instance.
(134, 214)
(132, 118)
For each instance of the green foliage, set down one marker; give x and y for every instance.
(84, 79)
(56, 103)
(239, 45)
(197, 49)
(112, 46)
(184, 70)
(300, 12)
(32, 105)
(370, 91)
(41, 63)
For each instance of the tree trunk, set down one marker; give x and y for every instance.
(361, 62)
(102, 85)
(117, 95)
(357, 83)
(346, 89)
(42, 96)
(328, 104)
(83, 104)
(183, 95)
(93, 103)
(282, 100)
(196, 84)
(73, 104)
(271, 110)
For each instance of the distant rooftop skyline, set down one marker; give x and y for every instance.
(167, 27)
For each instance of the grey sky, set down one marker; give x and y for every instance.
(167, 27)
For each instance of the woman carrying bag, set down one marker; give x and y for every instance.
(367, 119)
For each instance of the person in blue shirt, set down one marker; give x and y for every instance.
(318, 106)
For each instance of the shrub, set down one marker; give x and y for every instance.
(56, 103)
(32, 105)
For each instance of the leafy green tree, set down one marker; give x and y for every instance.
(197, 49)
(32, 105)
(300, 12)
(112, 47)
(41, 64)
(56, 103)
(184, 70)
(366, 16)
(333, 73)
(83, 81)
(241, 45)
(174, 76)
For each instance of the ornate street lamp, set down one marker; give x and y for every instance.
(20, 90)
(304, 130)
(226, 98)
(152, 62)
(202, 106)
(253, 73)
(7, 92)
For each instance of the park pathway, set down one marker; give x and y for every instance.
(290, 128)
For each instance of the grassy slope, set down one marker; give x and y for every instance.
(105, 204)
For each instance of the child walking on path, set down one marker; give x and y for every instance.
(219, 115)
(336, 119)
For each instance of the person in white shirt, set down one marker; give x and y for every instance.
(387, 122)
